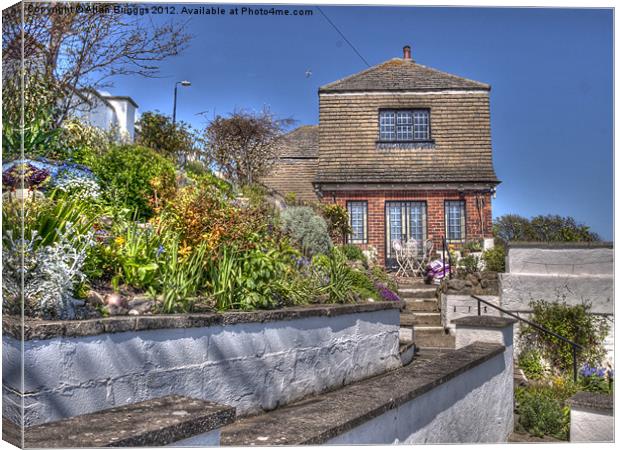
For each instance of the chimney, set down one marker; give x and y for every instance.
(407, 52)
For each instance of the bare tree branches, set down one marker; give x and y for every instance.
(84, 48)
(244, 146)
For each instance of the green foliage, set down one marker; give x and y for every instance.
(307, 229)
(353, 252)
(473, 245)
(180, 276)
(337, 218)
(290, 198)
(135, 177)
(135, 256)
(380, 275)
(338, 279)
(83, 143)
(572, 322)
(44, 218)
(40, 104)
(530, 362)
(469, 264)
(175, 141)
(258, 278)
(495, 259)
(550, 228)
(542, 411)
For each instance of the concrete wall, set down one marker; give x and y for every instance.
(574, 272)
(578, 274)
(476, 406)
(251, 366)
(457, 306)
(591, 425)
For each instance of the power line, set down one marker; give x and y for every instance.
(343, 36)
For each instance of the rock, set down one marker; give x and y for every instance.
(484, 283)
(472, 279)
(488, 275)
(141, 304)
(114, 310)
(455, 285)
(95, 298)
(116, 300)
(133, 312)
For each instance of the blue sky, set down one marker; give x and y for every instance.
(550, 69)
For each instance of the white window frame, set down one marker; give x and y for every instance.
(405, 125)
(452, 222)
(358, 236)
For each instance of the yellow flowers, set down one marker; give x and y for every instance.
(120, 240)
(185, 250)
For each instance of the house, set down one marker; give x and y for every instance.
(108, 112)
(407, 150)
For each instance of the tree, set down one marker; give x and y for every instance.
(245, 145)
(80, 46)
(178, 141)
(549, 228)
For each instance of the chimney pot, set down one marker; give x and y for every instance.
(407, 52)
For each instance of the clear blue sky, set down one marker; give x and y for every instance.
(550, 69)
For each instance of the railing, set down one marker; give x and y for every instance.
(446, 251)
(574, 345)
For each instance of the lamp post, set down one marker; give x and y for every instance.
(174, 108)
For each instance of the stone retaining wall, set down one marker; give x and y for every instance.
(252, 361)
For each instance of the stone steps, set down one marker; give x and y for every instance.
(422, 305)
(420, 320)
(408, 318)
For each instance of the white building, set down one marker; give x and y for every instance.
(109, 112)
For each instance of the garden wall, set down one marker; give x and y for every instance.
(474, 406)
(550, 271)
(253, 361)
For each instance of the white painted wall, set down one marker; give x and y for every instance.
(251, 366)
(589, 425)
(457, 306)
(208, 439)
(548, 273)
(475, 406)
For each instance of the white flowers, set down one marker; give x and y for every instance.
(78, 185)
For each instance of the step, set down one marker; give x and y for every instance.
(426, 305)
(408, 318)
(315, 420)
(168, 420)
(416, 293)
(406, 349)
(434, 337)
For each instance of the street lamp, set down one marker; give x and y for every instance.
(174, 108)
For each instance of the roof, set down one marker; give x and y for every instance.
(296, 167)
(302, 142)
(400, 74)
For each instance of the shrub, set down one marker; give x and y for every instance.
(531, 363)
(83, 143)
(49, 273)
(337, 219)
(336, 279)
(542, 411)
(469, 264)
(495, 259)
(307, 229)
(204, 214)
(136, 177)
(353, 252)
(572, 322)
(550, 228)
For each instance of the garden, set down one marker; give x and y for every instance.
(541, 403)
(112, 228)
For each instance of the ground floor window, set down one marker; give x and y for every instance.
(404, 221)
(455, 220)
(358, 221)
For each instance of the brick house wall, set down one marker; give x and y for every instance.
(434, 209)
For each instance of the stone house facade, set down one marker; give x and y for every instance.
(407, 150)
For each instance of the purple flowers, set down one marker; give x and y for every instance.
(589, 371)
(386, 294)
(31, 176)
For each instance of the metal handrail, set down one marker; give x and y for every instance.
(445, 250)
(539, 327)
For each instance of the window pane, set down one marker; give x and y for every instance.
(357, 221)
(417, 219)
(387, 125)
(404, 126)
(420, 125)
(455, 220)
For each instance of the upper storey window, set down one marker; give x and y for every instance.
(404, 125)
